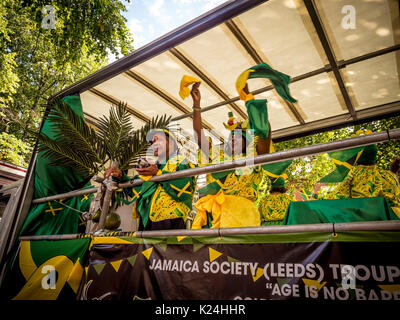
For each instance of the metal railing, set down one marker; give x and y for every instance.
(110, 185)
(221, 232)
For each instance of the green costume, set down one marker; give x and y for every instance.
(230, 195)
(161, 201)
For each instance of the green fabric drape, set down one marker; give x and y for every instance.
(258, 117)
(349, 158)
(335, 211)
(53, 218)
(278, 79)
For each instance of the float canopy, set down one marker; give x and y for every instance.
(343, 70)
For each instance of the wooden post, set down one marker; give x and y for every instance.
(110, 187)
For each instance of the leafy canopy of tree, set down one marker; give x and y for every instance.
(14, 150)
(36, 62)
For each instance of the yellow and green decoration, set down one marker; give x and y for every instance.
(46, 270)
(345, 160)
(276, 171)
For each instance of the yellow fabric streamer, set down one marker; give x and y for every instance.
(276, 176)
(346, 164)
(396, 210)
(271, 147)
(228, 211)
(186, 81)
(241, 83)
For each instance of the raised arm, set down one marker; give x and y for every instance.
(263, 145)
(197, 123)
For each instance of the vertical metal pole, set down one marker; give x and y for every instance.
(110, 186)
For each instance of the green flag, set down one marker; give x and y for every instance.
(63, 216)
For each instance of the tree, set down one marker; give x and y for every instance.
(14, 150)
(37, 61)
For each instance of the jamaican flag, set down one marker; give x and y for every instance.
(46, 270)
(57, 217)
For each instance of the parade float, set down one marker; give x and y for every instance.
(58, 243)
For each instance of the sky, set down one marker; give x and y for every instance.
(150, 19)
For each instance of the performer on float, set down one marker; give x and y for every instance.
(230, 195)
(273, 206)
(395, 167)
(159, 205)
(360, 177)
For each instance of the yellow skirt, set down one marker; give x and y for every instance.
(228, 211)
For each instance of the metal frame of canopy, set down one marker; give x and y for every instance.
(224, 14)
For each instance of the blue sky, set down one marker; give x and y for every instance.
(150, 19)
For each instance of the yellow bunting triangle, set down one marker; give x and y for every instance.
(147, 253)
(75, 276)
(390, 287)
(116, 264)
(214, 254)
(259, 273)
(180, 238)
(315, 283)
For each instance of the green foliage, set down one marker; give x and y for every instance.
(387, 151)
(77, 145)
(36, 63)
(14, 150)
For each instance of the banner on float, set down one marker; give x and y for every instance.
(46, 270)
(350, 266)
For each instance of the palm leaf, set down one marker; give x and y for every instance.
(62, 155)
(74, 144)
(115, 130)
(75, 133)
(137, 144)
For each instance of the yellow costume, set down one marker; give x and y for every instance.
(162, 203)
(273, 207)
(367, 181)
(232, 204)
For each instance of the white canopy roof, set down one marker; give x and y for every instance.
(340, 75)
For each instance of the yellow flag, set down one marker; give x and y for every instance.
(186, 81)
